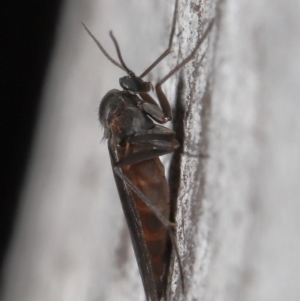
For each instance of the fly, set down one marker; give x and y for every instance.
(135, 143)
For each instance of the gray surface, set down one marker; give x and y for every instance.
(238, 208)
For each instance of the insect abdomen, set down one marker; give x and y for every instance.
(149, 177)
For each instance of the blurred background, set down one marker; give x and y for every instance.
(28, 33)
(60, 211)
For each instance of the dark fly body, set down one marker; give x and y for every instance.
(130, 118)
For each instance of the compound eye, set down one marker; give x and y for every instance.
(134, 84)
(128, 83)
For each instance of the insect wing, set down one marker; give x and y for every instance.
(135, 230)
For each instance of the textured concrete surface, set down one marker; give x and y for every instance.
(239, 192)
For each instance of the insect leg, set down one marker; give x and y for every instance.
(151, 107)
(159, 148)
(155, 138)
(168, 50)
(147, 202)
(164, 103)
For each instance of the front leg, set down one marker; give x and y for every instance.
(163, 101)
(160, 114)
(163, 113)
(152, 144)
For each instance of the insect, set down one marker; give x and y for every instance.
(135, 143)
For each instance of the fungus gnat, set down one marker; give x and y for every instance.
(135, 143)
